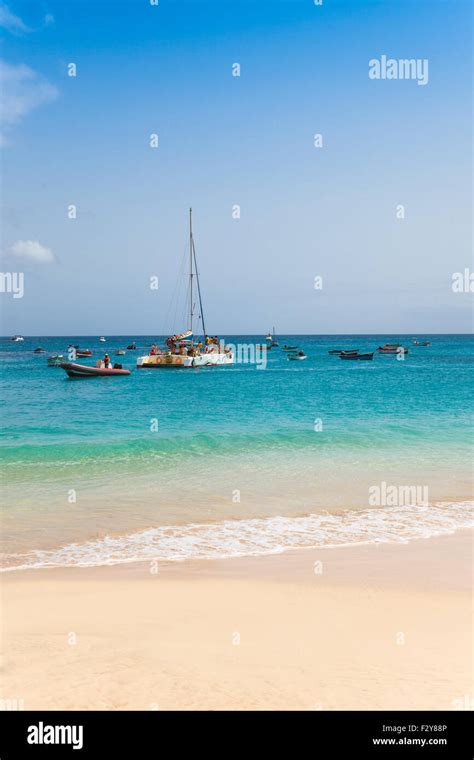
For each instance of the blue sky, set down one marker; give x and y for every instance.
(225, 140)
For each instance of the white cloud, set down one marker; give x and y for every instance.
(48, 20)
(21, 90)
(32, 250)
(10, 22)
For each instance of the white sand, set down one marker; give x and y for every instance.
(385, 627)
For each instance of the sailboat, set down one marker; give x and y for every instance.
(271, 339)
(182, 350)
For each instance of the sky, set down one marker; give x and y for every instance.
(381, 212)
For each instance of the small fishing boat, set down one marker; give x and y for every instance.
(102, 339)
(17, 338)
(290, 348)
(363, 357)
(82, 353)
(120, 352)
(392, 348)
(73, 369)
(55, 361)
(416, 342)
(132, 347)
(338, 351)
(297, 356)
(39, 350)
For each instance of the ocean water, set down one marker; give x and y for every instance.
(234, 461)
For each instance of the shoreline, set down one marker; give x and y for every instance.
(243, 538)
(299, 563)
(384, 626)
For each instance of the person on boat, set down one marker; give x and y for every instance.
(106, 361)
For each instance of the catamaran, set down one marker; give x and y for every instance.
(182, 350)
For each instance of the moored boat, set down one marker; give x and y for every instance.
(392, 348)
(290, 348)
(39, 350)
(17, 338)
(416, 342)
(73, 369)
(102, 339)
(296, 356)
(182, 350)
(132, 347)
(355, 356)
(120, 352)
(339, 351)
(271, 339)
(82, 353)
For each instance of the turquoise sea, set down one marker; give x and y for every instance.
(176, 464)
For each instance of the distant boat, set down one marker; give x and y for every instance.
(339, 351)
(392, 348)
(102, 339)
(39, 350)
(55, 361)
(120, 352)
(17, 338)
(82, 370)
(290, 348)
(271, 339)
(83, 352)
(132, 347)
(416, 342)
(296, 356)
(356, 356)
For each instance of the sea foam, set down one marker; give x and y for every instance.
(254, 537)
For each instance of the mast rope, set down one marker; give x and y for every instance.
(199, 291)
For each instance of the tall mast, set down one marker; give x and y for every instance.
(190, 269)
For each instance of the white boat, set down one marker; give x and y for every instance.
(102, 339)
(18, 338)
(182, 349)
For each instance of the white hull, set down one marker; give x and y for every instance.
(164, 361)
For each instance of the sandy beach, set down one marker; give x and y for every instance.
(363, 627)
